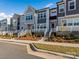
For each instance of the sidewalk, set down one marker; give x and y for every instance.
(44, 55)
(50, 43)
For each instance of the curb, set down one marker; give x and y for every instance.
(55, 53)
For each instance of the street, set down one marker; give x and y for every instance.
(12, 51)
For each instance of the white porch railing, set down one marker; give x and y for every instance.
(38, 30)
(23, 32)
(45, 32)
(67, 28)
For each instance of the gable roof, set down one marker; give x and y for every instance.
(29, 9)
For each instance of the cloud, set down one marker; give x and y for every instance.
(3, 15)
(49, 5)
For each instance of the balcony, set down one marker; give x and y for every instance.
(53, 17)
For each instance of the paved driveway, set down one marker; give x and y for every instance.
(9, 51)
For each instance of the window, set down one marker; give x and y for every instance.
(72, 5)
(38, 27)
(70, 24)
(64, 22)
(61, 8)
(4, 23)
(42, 15)
(29, 17)
(21, 27)
(76, 24)
(38, 15)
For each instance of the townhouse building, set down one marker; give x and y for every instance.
(14, 26)
(3, 27)
(68, 16)
(63, 18)
(42, 20)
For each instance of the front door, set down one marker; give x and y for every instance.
(52, 25)
(29, 26)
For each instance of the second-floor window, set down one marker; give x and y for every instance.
(42, 15)
(29, 17)
(61, 8)
(72, 5)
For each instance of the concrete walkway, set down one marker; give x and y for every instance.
(49, 43)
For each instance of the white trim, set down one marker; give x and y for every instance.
(60, 3)
(65, 6)
(74, 5)
(69, 16)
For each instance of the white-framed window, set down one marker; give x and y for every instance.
(70, 22)
(42, 15)
(64, 23)
(72, 5)
(61, 8)
(29, 17)
(42, 26)
(76, 22)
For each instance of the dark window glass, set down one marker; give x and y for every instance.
(31, 17)
(44, 14)
(76, 24)
(44, 26)
(64, 22)
(72, 5)
(70, 24)
(21, 27)
(41, 15)
(26, 17)
(61, 8)
(38, 15)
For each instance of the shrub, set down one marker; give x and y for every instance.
(51, 38)
(39, 34)
(77, 40)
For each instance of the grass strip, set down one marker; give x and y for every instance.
(60, 49)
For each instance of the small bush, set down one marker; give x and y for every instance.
(39, 34)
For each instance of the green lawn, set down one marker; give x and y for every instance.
(60, 49)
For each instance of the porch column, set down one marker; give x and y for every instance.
(47, 19)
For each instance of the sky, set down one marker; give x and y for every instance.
(9, 7)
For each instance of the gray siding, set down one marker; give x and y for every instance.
(73, 11)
